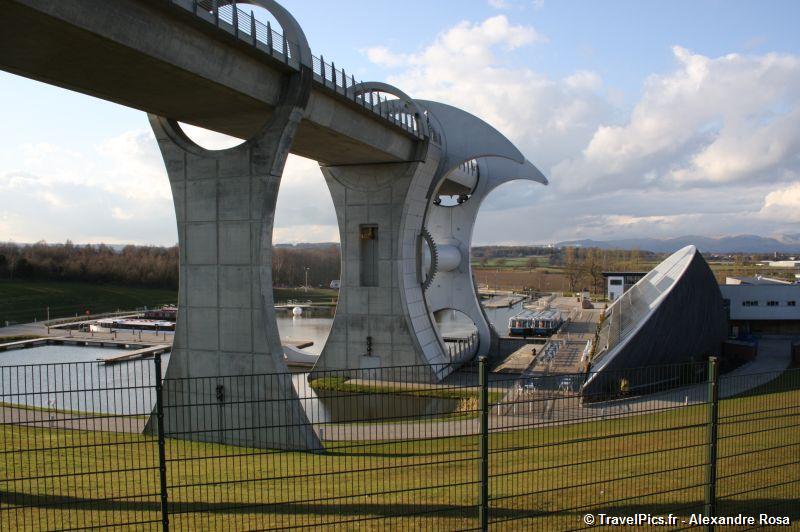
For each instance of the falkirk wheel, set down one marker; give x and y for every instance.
(405, 253)
(405, 256)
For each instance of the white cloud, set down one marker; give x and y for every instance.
(470, 65)
(710, 146)
(584, 79)
(711, 120)
(499, 4)
(120, 214)
(381, 55)
(783, 205)
(692, 155)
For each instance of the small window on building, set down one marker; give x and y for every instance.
(772, 303)
(368, 236)
(615, 282)
(791, 303)
(749, 303)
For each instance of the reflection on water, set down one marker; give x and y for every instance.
(499, 317)
(82, 384)
(314, 324)
(339, 407)
(123, 388)
(454, 324)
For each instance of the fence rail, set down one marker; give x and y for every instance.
(90, 446)
(245, 26)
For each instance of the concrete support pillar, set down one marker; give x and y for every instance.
(225, 205)
(380, 210)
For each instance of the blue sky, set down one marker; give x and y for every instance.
(649, 118)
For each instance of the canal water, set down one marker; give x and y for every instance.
(39, 377)
(68, 377)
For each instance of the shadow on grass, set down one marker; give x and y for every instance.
(752, 507)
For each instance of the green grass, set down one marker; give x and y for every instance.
(34, 408)
(18, 338)
(648, 463)
(317, 295)
(341, 384)
(26, 301)
(513, 262)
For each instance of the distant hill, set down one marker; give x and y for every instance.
(725, 244)
(308, 245)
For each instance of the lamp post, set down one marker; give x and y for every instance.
(307, 268)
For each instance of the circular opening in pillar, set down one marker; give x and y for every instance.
(207, 139)
(306, 263)
(458, 332)
(457, 185)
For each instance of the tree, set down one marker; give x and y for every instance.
(633, 259)
(593, 268)
(571, 268)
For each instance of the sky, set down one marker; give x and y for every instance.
(650, 119)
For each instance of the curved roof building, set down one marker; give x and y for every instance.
(673, 315)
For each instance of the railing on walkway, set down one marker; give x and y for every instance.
(245, 26)
(461, 349)
(90, 446)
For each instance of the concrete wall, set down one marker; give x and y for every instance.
(393, 313)
(224, 203)
(782, 294)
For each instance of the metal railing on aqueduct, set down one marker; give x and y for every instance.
(245, 26)
(79, 449)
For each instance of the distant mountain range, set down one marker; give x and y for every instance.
(725, 244)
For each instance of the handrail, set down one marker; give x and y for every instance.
(262, 36)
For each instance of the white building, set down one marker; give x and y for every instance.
(757, 280)
(784, 264)
(765, 307)
(617, 283)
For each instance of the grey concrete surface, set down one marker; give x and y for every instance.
(225, 205)
(161, 59)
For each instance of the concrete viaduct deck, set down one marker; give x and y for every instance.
(161, 57)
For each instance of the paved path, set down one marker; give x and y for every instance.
(551, 408)
(51, 419)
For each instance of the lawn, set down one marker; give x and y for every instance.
(26, 301)
(541, 478)
(317, 295)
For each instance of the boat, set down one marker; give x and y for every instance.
(535, 323)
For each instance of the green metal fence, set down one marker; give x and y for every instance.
(90, 446)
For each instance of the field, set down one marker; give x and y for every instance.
(512, 279)
(23, 301)
(646, 463)
(317, 295)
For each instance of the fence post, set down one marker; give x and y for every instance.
(162, 456)
(713, 414)
(483, 379)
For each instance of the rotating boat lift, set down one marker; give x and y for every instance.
(388, 217)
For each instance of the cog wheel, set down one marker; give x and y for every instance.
(431, 273)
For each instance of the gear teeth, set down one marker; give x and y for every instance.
(426, 235)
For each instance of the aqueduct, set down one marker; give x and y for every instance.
(387, 158)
